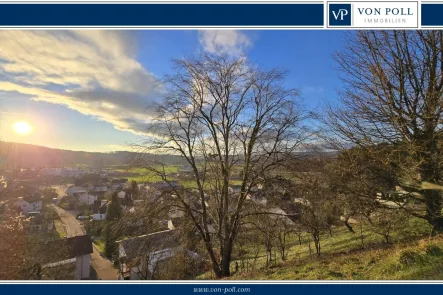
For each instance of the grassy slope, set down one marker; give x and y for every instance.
(413, 256)
(143, 175)
(100, 244)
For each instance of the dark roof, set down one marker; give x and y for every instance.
(79, 245)
(66, 248)
(32, 198)
(102, 209)
(142, 245)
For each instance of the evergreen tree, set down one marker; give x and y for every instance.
(114, 210)
(113, 214)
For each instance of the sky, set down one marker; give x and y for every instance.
(90, 90)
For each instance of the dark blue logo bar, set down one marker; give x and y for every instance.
(162, 15)
(432, 15)
(340, 14)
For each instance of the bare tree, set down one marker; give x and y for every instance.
(355, 179)
(318, 208)
(266, 234)
(393, 96)
(223, 115)
(24, 255)
(386, 220)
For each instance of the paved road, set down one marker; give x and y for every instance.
(102, 266)
(73, 227)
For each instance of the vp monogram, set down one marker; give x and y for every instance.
(340, 14)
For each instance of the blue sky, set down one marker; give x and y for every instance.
(87, 90)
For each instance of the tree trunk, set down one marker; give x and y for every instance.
(433, 210)
(387, 238)
(309, 246)
(226, 261)
(362, 238)
(316, 237)
(348, 226)
(226, 270)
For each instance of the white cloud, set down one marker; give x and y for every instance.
(93, 72)
(229, 42)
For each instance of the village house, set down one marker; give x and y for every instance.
(29, 203)
(141, 256)
(38, 222)
(74, 250)
(100, 189)
(87, 199)
(76, 190)
(121, 195)
(72, 172)
(100, 212)
(118, 183)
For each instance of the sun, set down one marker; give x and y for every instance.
(22, 127)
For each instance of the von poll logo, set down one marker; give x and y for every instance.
(340, 14)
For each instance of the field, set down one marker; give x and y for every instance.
(143, 175)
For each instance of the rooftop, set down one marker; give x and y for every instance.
(142, 245)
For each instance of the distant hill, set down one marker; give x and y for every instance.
(34, 156)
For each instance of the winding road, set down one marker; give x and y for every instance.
(104, 268)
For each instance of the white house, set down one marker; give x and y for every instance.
(87, 199)
(100, 213)
(29, 204)
(121, 194)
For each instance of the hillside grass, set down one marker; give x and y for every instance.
(413, 255)
(100, 244)
(60, 228)
(143, 175)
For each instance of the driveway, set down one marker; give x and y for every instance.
(103, 267)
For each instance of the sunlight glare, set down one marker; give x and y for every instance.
(22, 127)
